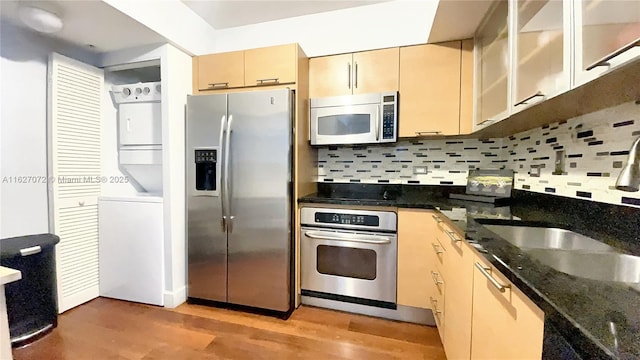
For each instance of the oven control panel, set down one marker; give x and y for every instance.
(346, 219)
(369, 220)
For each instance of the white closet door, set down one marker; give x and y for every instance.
(75, 133)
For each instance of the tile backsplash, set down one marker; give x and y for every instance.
(579, 158)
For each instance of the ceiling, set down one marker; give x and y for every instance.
(89, 22)
(221, 14)
(458, 19)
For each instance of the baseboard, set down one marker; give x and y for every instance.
(173, 299)
(79, 298)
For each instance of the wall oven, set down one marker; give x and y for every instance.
(349, 255)
(354, 119)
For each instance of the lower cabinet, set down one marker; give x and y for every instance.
(478, 312)
(414, 283)
(505, 323)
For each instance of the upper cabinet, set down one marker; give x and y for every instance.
(356, 73)
(529, 51)
(607, 34)
(435, 87)
(272, 65)
(493, 66)
(542, 45)
(219, 71)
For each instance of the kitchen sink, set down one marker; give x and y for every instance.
(607, 266)
(528, 237)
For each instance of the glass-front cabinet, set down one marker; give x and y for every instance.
(542, 50)
(607, 35)
(492, 64)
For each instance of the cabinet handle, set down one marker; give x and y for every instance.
(435, 132)
(356, 77)
(81, 203)
(437, 219)
(436, 248)
(494, 282)
(524, 102)
(488, 121)
(434, 305)
(605, 60)
(434, 276)
(349, 75)
(219, 85)
(452, 236)
(267, 81)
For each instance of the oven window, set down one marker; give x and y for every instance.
(346, 124)
(346, 262)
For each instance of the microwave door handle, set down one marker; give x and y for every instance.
(227, 175)
(378, 123)
(223, 222)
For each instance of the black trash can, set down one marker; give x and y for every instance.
(32, 305)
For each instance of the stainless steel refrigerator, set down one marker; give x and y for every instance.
(239, 171)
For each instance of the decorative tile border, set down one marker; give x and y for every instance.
(578, 158)
(429, 162)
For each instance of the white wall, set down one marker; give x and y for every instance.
(381, 25)
(23, 126)
(173, 20)
(176, 85)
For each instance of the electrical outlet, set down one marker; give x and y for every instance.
(419, 170)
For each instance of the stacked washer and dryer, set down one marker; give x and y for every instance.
(131, 236)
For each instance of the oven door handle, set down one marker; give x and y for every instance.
(366, 239)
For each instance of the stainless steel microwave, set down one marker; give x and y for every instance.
(355, 119)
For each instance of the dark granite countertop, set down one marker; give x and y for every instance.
(600, 319)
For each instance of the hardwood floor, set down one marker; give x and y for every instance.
(112, 329)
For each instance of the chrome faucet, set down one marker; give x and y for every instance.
(629, 178)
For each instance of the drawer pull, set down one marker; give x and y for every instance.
(434, 276)
(494, 282)
(434, 306)
(437, 219)
(452, 236)
(437, 248)
(219, 85)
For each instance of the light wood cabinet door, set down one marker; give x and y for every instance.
(415, 285)
(270, 65)
(330, 76)
(376, 71)
(459, 272)
(430, 89)
(505, 325)
(221, 71)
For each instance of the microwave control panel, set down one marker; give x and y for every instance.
(389, 117)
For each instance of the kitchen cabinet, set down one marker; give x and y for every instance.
(436, 98)
(219, 71)
(493, 66)
(542, 50)
(273, 65)
(270, 65)
(505, 323)
(354, 73)
(607, 35)
(458, 272)
(414, 254)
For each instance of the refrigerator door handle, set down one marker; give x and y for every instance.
(223, 221)
(227, 175)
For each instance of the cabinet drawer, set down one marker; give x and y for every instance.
(221, 71)
(437, 305)
(270, 65)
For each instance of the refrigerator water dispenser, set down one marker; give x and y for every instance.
(206, 174)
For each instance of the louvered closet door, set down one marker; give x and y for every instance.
(74, 130)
